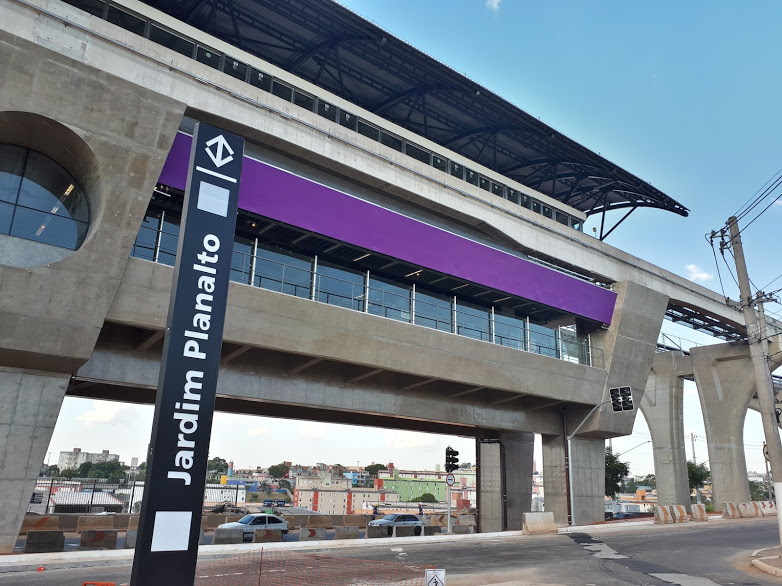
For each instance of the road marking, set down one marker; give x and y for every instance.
(601, 550)
(397, 549)
(684, 579)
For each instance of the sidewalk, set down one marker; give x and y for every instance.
(768, 560)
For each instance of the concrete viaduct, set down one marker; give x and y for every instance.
(109, 102)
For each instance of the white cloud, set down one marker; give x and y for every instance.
(493, 5)
(313, 429)
(102, 412)
(258, 431)
(696, 273)
(406, 440)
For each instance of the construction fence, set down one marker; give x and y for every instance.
(278, 568)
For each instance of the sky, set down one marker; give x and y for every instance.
(684, 95)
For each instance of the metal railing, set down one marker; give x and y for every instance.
(445, 314)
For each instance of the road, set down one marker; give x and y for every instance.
(701, 554)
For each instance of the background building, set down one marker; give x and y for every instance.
(76, 458)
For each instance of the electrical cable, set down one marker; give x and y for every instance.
(758, 197)
(717, 264)
(762, 212)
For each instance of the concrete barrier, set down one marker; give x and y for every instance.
(233, 518)
(69, 523)
(768, 508)
(130, 539)
(538, 523)
(98, 539)
(312, 534)
(699, 513)
(324, 521)
(267, 535)
(39, 523)
(465, 520)
(42, 541)
(374, 531)
(440, 520)
(346, 532)
(296, 521)
(133, 522)
(462, 529)
(226, 536)
(679, 513)
(121, 521)
(749, 509)
(430, 530)
(356, 520)
(212, 521)
(662, 515)
(95, 523)
(405, 531)
(730, 511)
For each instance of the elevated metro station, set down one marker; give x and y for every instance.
(409, 250)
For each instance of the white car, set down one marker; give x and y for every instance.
(250, 523)
(400, 520)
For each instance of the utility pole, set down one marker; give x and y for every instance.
(692, 437)
(765, 389)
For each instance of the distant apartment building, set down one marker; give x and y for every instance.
(341, 502)
(325, 480)
(76, 458)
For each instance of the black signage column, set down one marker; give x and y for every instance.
(167, 545)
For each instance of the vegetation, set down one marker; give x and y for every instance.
(615, 472)
(632, 485)
(427, 497)
(697, 474)
(278, 470)
(373, 469)
(215, 467)
(757, 490)
(285, 484)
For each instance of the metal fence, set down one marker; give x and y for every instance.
(88, 495)
(279, 568)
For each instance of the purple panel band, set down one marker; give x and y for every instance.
(288, 198)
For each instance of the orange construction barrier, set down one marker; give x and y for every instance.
(99, 584)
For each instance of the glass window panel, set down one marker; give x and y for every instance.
(535, 204)
(341, 287)
(571, 346)
(472, 321)
(547, 212)
(235, 68)
(172, 41)
(169, 237)
(283, 271)
(498, 189)
(510, 331)
(576, 224)
(525, 200)
(367, 130)
(512, 195)
(563, 218)
(439, 163)
(484, 183)
(418, 154)
(347, 119)
(471, 176)
(241, 258)
(127, 21)
(542, 340)
(11, 163)
(261, 80)
(327, 110)
(433, 311)
(303, 100)
(48, 187)
(94, 7)
(457, 170)
(6, 212)
(144, 247)
(282, 91)
(48, 228)
(208, 57)
(389, 299)
(391, 141)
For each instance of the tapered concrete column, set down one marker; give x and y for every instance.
(588, 481)
(726, 383)
(29, 405)
(555, 477)
(505, 481)
(663, 409)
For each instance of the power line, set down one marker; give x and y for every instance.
(753, 196)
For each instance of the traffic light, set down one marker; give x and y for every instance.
(616, 399)
(627, 398)
(451, 461)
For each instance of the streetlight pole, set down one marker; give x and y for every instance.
(755, 336)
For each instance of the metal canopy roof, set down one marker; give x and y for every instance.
(330, 46)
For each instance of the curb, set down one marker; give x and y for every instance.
(767, 568)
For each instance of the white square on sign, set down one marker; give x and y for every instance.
(213, 199)
(435, 578)
(171, 531)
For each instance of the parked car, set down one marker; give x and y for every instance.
(249, 524)
(400, 520)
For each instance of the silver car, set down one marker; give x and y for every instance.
(400, 520)
(250, 523)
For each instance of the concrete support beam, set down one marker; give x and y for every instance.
(588, 480)
(29, 405)
(505, 481)
(304, 365)
(233, 354)
(555, 477)
(662, 407)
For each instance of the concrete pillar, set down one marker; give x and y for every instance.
(555, 477)
(504, 481)
(726, 383)
(588, 481)
(29, 405)
(662, 407)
